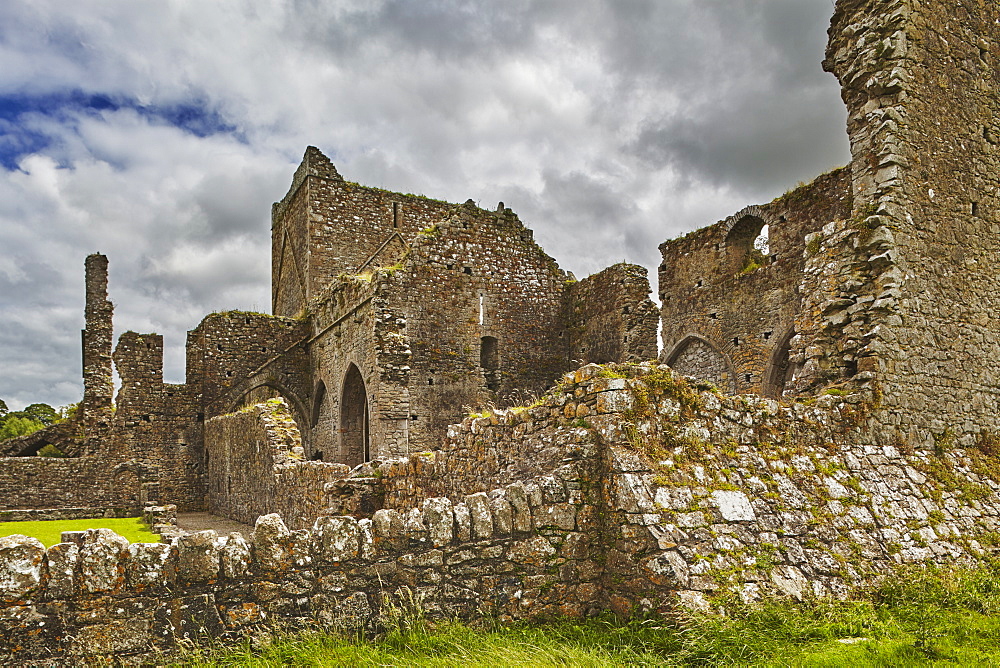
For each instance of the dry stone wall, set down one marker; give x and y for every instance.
(486, 555)
(665, 494)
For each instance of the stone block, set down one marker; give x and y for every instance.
(556, 516)
(414, 526)
(387, 529)
(150, 566)
(198, 556)
(234, 557)
(440, 520)
(270, 542)
(480, 516)
(101, 554)
(532, 551)
(521, 510)
(336, 539)
(502, 512)
(667, 569)
(63, 560)
(733, 506)
(21, 561)
(463, 523)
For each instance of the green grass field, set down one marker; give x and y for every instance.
(50, 531)
(925, 617)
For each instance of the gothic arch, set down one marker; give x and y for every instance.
(319, 396)
(355, 428)
(694, 355)
(269, 389)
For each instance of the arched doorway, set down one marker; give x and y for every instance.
(354, 426)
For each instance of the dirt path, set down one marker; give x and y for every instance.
(202, 521)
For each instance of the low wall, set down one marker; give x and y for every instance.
(666, 493)
(517, 552)
(51, 482)
(256, 467)
(44, 514)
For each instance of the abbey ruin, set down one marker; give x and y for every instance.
(435, 405)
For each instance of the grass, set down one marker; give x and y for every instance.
(926, 616)
(50, 531)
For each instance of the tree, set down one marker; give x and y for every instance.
(41, 413)
(3, 410)
(16, 425)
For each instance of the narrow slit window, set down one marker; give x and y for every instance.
(395, 215)
(482, 309)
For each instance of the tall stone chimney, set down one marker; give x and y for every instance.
(98, 386)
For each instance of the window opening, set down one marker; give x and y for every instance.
(489, 360)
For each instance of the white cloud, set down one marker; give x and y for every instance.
(160, 132)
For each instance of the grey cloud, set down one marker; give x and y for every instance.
(608, 126)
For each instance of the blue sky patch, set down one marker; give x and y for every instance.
(18, 140)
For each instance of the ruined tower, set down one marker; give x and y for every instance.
(98, 385)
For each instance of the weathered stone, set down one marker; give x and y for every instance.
(336, 539)
(21, 561)
(733, 506)
(150, 565)
(198, 556)
(440, 520)
(101, 555)
(480, 517)
(235, 557)
(533, 551)
(500, 507)
(270, 542)
(63, 560)
(521, 510)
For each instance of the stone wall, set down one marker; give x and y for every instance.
(729, 309)
(662, 493)
(256, 466)
(919, 81)
(610, 317)
(506, 555)
(51, 482)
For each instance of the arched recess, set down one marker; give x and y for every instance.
(744, 231)
(319, 396)
(696, 356)
(270, 390)
(779, 371)
(321, 425)
(355, 432)
(126, 480)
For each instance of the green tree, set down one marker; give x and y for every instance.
(41, 413)
(3, 410)
(16, 425)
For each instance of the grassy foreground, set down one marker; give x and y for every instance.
(50, 531)
(923, 617)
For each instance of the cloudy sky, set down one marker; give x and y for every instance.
(159, 132)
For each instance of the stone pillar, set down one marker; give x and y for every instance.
(98, 386)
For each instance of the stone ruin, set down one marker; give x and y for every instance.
(824, 408)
